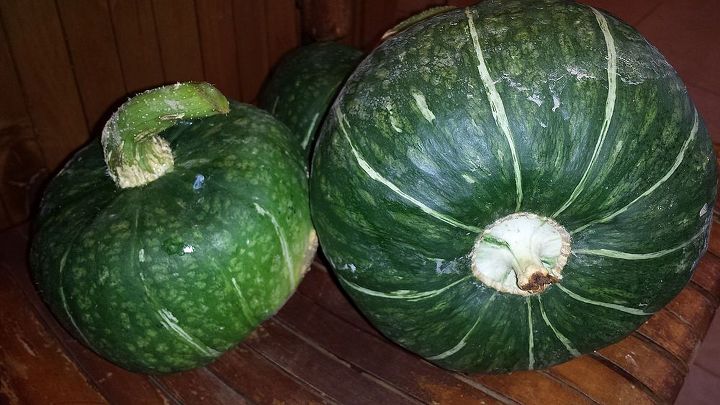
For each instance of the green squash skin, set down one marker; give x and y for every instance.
(167, 276)
(412, 164)
(304, 84)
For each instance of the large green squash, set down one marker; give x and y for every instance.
(513, 184)
(168, 275)
(304, 84)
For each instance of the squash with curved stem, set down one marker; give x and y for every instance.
(199, 233)
(510, 185)
(303, 86)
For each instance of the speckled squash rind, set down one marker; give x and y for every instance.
(167, 276)
(303, 86)
(547, 107)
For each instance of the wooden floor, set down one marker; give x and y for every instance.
(318, 349)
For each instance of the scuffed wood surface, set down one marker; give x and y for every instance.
(318, 349)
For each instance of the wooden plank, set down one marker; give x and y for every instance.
(261, 381)
(283, 29)
(22, 165)
(375, 355)
(601, 383)
(91, 41)
(46, 75)
(693, 308)
(647, 365)
(111, 380)
(250, 31)
(34, 368)
(199, 386)
(707, 275)
(670, 333)
(137, 43)
(179, 40)
(217, 41)
(531, 387)
(319, 286)
(316, 367)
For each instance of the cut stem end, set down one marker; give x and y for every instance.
(521, 254)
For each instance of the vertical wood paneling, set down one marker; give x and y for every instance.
(179, 40)
(137, 43)
(36, 42)
(91, 41)
(22, 166)
(282, 28)
(250, 29)
(217, 39)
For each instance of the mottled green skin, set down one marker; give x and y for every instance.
(303, 86)
(110, 262)
(549, 62)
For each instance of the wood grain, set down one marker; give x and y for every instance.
(93, 52)
(283, 28)
(37, 45)
(34, 368)
(217, 40)
(179, 40)
(137, 43)
(22, 164)
(252, 46)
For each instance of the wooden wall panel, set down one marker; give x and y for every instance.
(251, 36)
(217, 40)
(22, 165)
(137, 43)
(37, 45)
(283, 28)
(93, 53)
(179, 40)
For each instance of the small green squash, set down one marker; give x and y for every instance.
(206, 233)
(304, 84)
(513, 184)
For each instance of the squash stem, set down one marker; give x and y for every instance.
(134, 152)
(521, 254)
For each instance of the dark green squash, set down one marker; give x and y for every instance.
(167, 275)
(513, 184)
(304, 84)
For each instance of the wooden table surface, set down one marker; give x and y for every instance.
(318, 349)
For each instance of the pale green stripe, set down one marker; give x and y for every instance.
(63, 300)
(379, 178)
(609, 108)
(421, 104)
(401, 294)
(678, 160)
(283, 242)
(632, 311)
(496, 106)
(531, 339)
(310, 131)
(168, 320)
(463, 341)
(616, 254)
(565, 341)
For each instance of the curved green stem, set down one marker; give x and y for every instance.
(134, 153)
